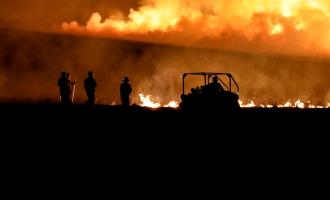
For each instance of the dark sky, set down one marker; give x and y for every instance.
(35, 14)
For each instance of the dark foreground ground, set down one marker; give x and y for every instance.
(139, 120)
(275, 151)
(136, 128)
(102, 126)
(118, 129)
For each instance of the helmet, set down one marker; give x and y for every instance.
(67, 75)
(215, 78)
(126, 79)
(63, 74)
(90, 73)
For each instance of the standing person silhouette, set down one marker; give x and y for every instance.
(90, 88)
(64, 86)
(125, 91)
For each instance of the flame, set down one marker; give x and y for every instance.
(147, 102)
(172, 104)
(303, 23)
(277, 29)
(249, 105)
(289, 104)
(299, 104)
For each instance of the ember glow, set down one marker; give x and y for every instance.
(300, 25)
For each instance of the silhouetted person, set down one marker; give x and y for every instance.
(71, 86)
(90, 86)
(125, 92)
(64, 86)
(215, 87)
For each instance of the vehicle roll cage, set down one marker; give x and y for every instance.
(207, 76)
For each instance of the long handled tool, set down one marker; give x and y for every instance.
(73, 90)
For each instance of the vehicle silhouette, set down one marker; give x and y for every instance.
(205, 98)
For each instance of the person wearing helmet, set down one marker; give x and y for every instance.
(90, 88)
(125, 91)
(63, 84)
(215, 87)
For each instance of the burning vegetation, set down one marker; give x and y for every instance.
(282, 26)
(146, 101)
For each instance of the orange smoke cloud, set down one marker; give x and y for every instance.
(299, 25)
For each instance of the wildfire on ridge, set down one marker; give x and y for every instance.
(299, 24)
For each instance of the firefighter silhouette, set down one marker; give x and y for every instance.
(125, 91)
(90, 88)
(63, 84)
(215, 87)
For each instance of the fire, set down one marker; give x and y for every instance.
(299, 104)
(289, 104)
(277, 29)
(172, 104)
(249, 105)
(304, 24)
(147, 102)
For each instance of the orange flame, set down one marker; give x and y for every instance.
(289, 104)
(147, 102)
(249, 105)
(172, 104)
(301, 24)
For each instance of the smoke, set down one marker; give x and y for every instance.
(30, 64)
(48, 15)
